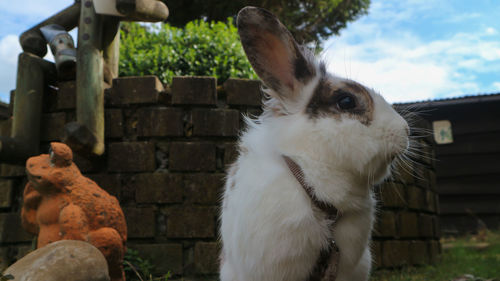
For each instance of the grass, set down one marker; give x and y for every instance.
(471, 258)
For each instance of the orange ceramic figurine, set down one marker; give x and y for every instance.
(61, 204)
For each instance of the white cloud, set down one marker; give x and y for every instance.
(378, 51)
(9, 50)
(496, 86)
(491, 31)
(35, 8)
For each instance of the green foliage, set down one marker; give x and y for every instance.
(463, 259)
(200, 48)
(308, 20)
(139, 269)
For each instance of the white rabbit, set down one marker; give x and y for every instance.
(343, 137)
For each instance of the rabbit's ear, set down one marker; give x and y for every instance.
(274, 54)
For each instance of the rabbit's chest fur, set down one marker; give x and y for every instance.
(270, 230)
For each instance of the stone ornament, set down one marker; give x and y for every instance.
(61, 204)
(65, 260)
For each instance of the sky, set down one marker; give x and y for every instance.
(417, 50)
(407, 50)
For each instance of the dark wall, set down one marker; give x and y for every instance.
(468, 170)
(166, 153)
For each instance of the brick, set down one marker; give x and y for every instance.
(191, 222)
(408, 225)
(434, 250)
(203, 188)
(206, 257)
(159, 122)
(393, 195)
(405, 174)
(52, 126)
(66, 96)
(215, 122)
(252, 112)
(6, 189)
(230, 153)
(131, 157)
(135, 90)
(140, 222)
(11, 102)
(5, 127)
(395, 253)
(164, 257)
(243, 92)
(422, 176)
(5, 258)
(426, 153)
(436, 203)
(111, 183)
(432, 178)
(418, 253)
(11, 230)
(192, 156)
(430, 205)
(377, 253)
(415, 197)
(386, 225)
(23, 251)
(49, 99)
(194, 90)
(8, 170)
(157, 188)
(426, 225)
(436, 226)
(88, 164)
(113, 123)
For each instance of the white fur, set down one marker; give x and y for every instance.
(269, 229)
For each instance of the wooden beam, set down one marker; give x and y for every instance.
(111, 48)
(143, 10)
(89, 72)
(32, 40)
(32, 74)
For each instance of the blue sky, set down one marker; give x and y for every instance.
(406, 50)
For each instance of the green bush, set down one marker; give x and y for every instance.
(138, 269)
(200, 48)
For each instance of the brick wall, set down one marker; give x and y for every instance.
(166, 153)
(407, 231)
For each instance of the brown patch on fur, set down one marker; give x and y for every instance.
(327, 94)
(272, 51)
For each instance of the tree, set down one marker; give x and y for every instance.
(199, 48)
(310, 21)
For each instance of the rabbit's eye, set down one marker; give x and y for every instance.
(346, 102)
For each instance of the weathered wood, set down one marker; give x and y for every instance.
(143, 10)
(468, 164)
(455, 224)
(488, 142)
(32, 40)
(111, 48)
(479, 204)
(89, 81)
(469, 185)
(32, 72)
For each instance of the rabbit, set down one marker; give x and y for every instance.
(341, 134)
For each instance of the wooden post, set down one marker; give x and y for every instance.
(32, 73)
(111, 48)
(143, 10)
(89, 75)
(32, 40)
